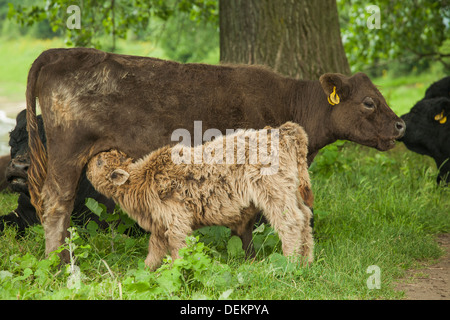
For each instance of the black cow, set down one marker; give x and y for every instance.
(428, 127)
(16, 175)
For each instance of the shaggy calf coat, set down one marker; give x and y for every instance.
(171, 198)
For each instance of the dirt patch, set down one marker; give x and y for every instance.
(433, 281)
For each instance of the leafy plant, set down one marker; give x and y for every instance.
(118, 221)
(330, 160)
(109, 18)
(185, 273)
(265, 240)
(365, 46)
(234, 248)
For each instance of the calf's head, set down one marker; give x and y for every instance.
(107, 171)
(359, 111)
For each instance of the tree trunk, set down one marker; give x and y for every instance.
(298, 38)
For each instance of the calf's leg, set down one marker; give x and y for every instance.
(179, 229)
(157, 249)
(284, 214)
(307, 240)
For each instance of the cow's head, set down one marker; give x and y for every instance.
(108, 170)
(428, 131)
(360, 112)
(17, 170)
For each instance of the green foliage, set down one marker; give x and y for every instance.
(98, 18)
(265, 240)
(113, 19)
(234, 248)
(410, 31)
(200, 10)
(118, 221)
(191, 274)
(23, 270)
(187, 40)
(329, 160)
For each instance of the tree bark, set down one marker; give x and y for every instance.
(298, 38)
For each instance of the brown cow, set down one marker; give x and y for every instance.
(93, 101)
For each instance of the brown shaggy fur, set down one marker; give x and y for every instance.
(171, 200)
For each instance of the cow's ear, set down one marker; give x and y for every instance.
(119, 177)
(336, 86)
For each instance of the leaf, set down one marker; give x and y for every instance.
(26, 273)
(281, 264)
(27, 261)
(234, 247)
(41, 276)
(170, 280)
(226, 294)
(5, 274)
(259, 229)
(132, 285)
(95, 207)
(92, 228)
(11, 11)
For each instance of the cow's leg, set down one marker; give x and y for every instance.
(58, 194)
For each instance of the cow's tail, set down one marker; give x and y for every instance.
(37, 171)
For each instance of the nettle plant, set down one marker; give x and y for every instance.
(118, 221)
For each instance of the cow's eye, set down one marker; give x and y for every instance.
(369, 103)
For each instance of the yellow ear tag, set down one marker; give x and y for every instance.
(334, 98)
(438, 117)
(330, 102)
(443, 120)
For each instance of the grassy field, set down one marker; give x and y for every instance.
(371, 209)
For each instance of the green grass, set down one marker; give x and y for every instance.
(17, 57)
(371, 208)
